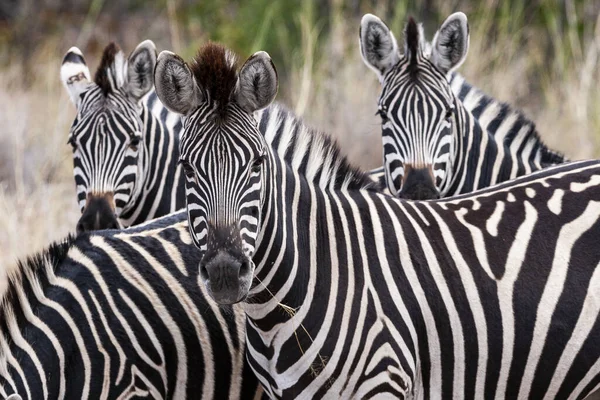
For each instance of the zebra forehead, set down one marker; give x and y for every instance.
(215, 70)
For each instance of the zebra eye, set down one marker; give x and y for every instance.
(257, 163)
(448, 115)
(382, 114)
(72, 142)
(135, 141)
(187, 169)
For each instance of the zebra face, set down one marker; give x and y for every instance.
(106, 138)
(418, 110)
(223, 155)
(107, 133)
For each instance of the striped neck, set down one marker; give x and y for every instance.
(162, 191)
(304, 267)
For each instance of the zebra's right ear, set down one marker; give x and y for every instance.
(175, 85)
(74, 74)
(378, 45)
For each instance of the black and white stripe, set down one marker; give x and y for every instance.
(350, 293)
(458, 139)
(124, 140)
(119, 315)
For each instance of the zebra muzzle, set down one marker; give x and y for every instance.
(226, 277)
(418, 184)
(99, 213)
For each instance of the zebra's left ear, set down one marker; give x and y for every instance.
(378, 45)
(74, 74)
(257, 83)
(140, 70)
(175, 85)
(451, 43)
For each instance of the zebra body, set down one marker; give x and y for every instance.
(119, 315)
(443, 138)
(387, 299)
(124, 141)
(350, 293)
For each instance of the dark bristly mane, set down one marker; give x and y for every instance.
(34, 265)
(412, 45)
(108, 59)
(215, 70)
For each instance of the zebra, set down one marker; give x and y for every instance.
(350, 293)
(120, 314)
(435, 142)
(124, 141)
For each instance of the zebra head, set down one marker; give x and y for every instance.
(418, 110)
(107, 133)
(222, 153)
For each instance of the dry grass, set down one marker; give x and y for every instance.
(37, 191)
(331, 88)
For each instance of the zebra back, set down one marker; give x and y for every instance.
(117, 314)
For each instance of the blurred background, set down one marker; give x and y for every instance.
(541, 56)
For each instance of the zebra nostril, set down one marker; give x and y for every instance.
(80, 228)
(244, 269)
(114, 224)
(203, 272)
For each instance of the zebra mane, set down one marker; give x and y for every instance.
(412, 35)
(215, 70)
(312, 153)
(34, 265)
(110, 69)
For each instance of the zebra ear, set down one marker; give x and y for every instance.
(451, 43)
(140, 70)
(74, 74)
(378, 45)
(257, 83)
(175, 85)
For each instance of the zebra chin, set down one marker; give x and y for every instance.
(418, 184)
(98, 214)
(227, 277)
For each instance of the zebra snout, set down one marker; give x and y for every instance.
(98, 214)
(419, 185)
(226, 277)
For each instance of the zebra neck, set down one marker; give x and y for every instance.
(311, 276)
(481, 160)
(278, 256)
(499, 142)
(162, 189)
